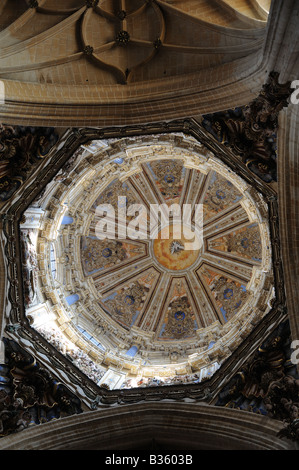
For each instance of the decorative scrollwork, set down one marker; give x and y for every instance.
(250, 132)
(21, 149)
(29, 394)
(268, 384)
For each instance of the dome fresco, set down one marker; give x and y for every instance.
(136, 307)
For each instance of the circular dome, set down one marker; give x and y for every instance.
(150, 295)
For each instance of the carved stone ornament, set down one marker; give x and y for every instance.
(21, 150)
(251, 131)
(268, 384)
(29, 394)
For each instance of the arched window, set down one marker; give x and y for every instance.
(52, 261)
(71, 299)
(67, 220)
(132, 351)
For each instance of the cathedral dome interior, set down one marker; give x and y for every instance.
(142, 308)
(149, 225)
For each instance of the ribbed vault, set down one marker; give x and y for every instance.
(118, 51)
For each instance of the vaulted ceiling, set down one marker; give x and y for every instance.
(123, 53)
(112, 42)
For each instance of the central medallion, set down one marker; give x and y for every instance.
(177, 247)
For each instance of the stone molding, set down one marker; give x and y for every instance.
(157, 426)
